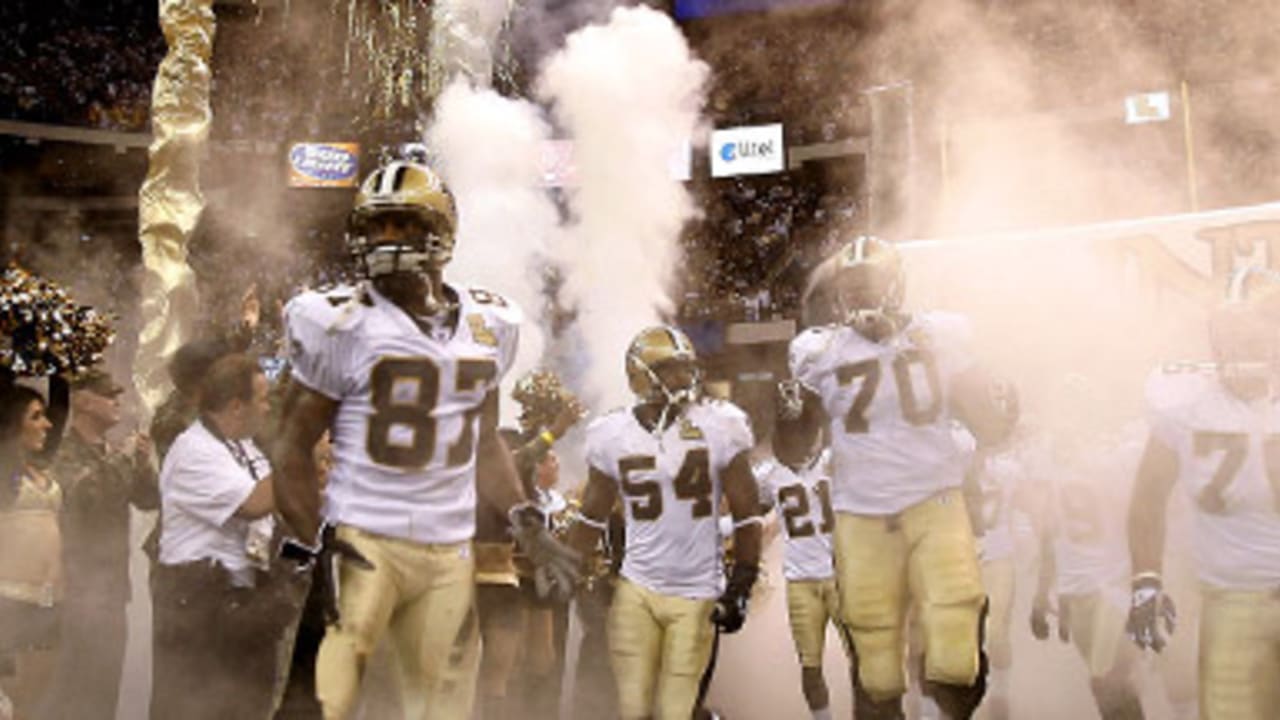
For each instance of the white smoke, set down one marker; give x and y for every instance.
(489, 152)
(629, 93)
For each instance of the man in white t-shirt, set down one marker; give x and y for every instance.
(214, 645)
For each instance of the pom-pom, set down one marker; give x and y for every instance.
(44, 331)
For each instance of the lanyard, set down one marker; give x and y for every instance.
(238, 453)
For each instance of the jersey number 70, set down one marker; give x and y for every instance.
(856, 422)
(1234, 447)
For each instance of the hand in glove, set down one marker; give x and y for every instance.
(1040, 612)
(1148, 609)
(556, 566)
(326, 560)
(730, 612)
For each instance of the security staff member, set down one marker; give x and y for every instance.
(217, 620)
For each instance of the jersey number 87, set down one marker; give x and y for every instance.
(404, 393)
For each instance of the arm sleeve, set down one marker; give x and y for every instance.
(803, 355)
(316, 355)
(762, 471)
(738, 431)
(1166, 394)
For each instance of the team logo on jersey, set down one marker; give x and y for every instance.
(481, 332)
(689, 431)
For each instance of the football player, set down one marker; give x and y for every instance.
(404, 369)
(796, 483)
(1083, 552)
(888, 384)
(1213, 434)
(999, 474)
(670, 459)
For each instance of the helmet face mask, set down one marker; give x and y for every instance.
(867, 287)
(662, 367)
(404, 222)
(1246, 348)
(1245, 335)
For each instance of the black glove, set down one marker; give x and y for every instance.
(326, 560)
(730, 612)
(1147, 608)
(556, 566)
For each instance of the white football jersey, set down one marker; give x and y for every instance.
(1090, 487)
(998, 477)
(802, 499)
(405, 433)
(891, 433)
(670, 488)
(1228, 454)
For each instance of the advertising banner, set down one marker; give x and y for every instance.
(755, 150)
(324, 165)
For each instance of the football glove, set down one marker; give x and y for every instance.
(1149, 608)
(730, 611)
(325, 561)
(1040, 612)
(556, 566)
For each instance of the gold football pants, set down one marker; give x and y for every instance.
(811, 605)
(1239, 655)
(660, 645)
(997, 576)
(925, 556)
(423, 596)
(1097, 631)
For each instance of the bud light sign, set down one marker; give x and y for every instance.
(324, 165)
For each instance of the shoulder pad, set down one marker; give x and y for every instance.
(1175, 385)
(812, 340)
(601, 422)
(497, 308)
(941, 327)
(329, 311)
(807, 347)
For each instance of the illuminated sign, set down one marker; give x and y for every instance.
(324, 165)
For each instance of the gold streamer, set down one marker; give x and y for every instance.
(409, 50)
(170, 201)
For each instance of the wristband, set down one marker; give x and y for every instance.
(547, 437)
(593, 523)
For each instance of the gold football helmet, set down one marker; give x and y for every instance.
(662, 366)
(863, 284)
(416, 194)
(1245, 333)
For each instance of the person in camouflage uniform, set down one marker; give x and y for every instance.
(99, 483)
